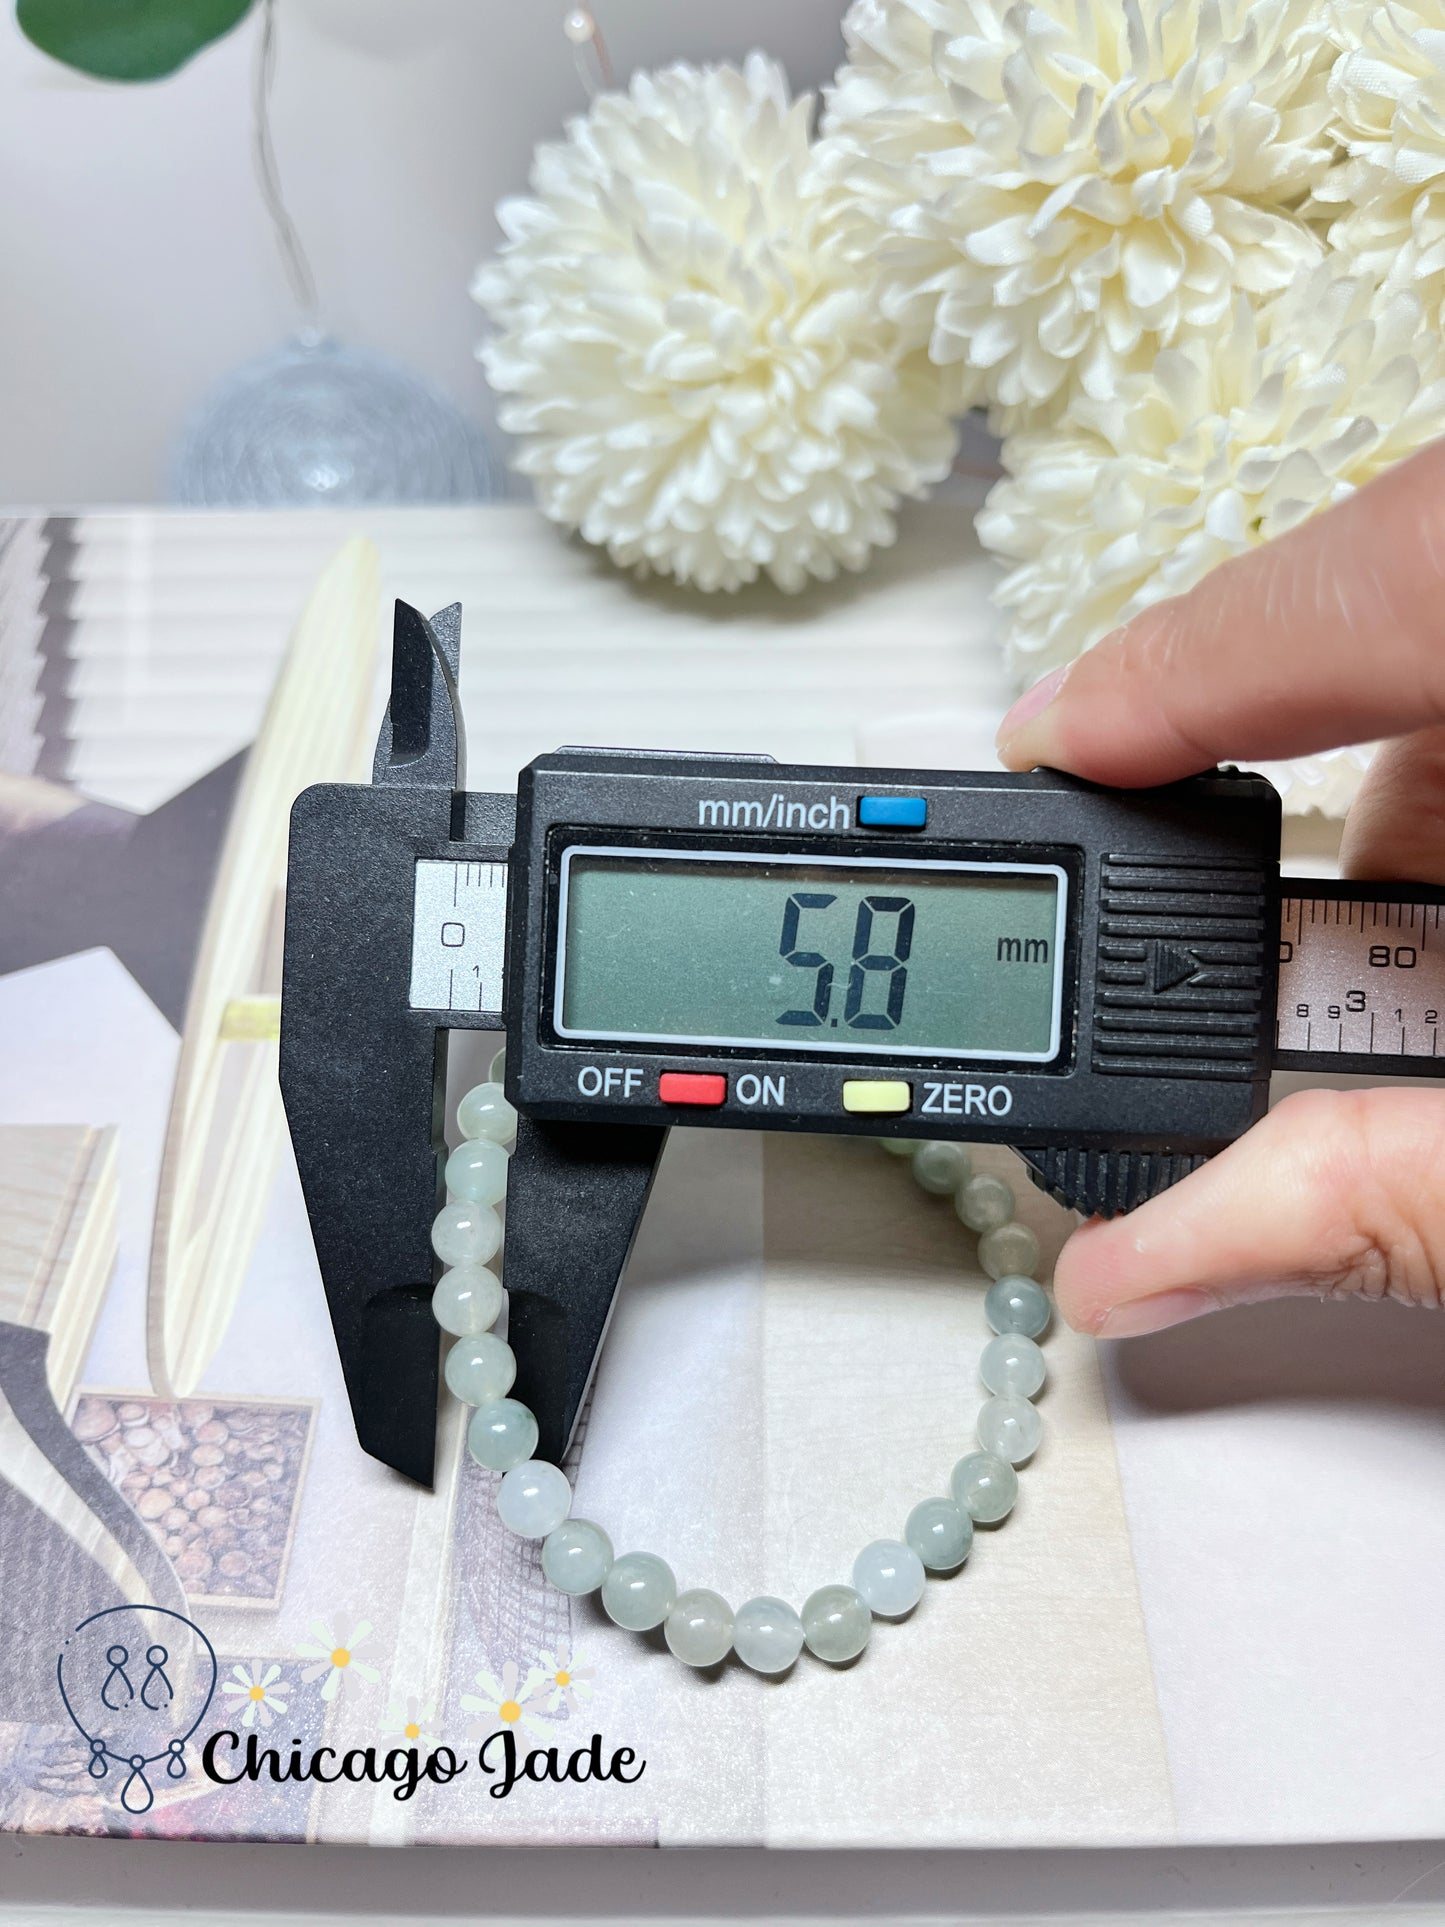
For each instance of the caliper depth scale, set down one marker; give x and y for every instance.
(1103, 979)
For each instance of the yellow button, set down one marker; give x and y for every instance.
(877, 1094)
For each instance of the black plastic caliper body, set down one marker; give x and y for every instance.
(1088, 975)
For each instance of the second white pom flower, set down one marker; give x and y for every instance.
(1058, 189)
(1223, 444)
(701, 376)
(1387, 90)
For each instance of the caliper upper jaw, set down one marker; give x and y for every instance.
(423, 737)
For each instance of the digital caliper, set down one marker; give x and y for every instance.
(1104, 979)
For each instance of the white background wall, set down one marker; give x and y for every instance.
(136, 264)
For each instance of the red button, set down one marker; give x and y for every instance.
(688, 1087)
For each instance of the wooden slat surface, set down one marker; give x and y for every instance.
(58, 1194)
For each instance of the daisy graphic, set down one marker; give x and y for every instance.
(506, 1701)
(256, 1689)
(335, 1657)
(566, 1679)
(411, 1721)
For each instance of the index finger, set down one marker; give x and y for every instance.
(1331, 634)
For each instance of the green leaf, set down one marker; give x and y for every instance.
(127, 39)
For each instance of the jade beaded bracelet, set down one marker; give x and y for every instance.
(639, 1592)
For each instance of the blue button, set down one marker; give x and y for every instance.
(892, 812)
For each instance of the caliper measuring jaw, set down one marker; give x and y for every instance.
(363, 1080)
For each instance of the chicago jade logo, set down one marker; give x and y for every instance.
(138, 1681)
(228, 1761)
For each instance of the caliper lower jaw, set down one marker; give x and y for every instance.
(1102, 1184)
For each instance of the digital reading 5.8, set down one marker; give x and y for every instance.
(823, 954)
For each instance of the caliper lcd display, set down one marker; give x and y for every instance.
(845, 954)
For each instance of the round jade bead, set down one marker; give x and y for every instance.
(480, 1370)
(502, 1434)
(577, 1556)
(1016, 1304)
(941, 1167)
(465, 1234)
(467, 1300)
(836, 1623)
(639, 1591)
(485, 1112)
(1011, 1249)
(941, 1533)
(889, 1577)
(896, 1147)
(477, 1171)
(498, 1072)
(985, 1487)
(1012, 1366)
(984, 1202)
(1010, 1428)
(767, 1634)
(699, 1629)
(534, 1498)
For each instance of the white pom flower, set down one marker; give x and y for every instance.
(1059, 188)
(1222, 445)
(702, 378)
(1387, 90)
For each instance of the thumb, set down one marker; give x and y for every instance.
(1328, 634)
(1333, 1191)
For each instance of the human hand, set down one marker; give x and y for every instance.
(1333, 633)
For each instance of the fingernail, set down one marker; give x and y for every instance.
(1032, 703)
(1154, 1314)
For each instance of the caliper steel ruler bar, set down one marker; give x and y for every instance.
(1361, 978)
(1103, 979)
